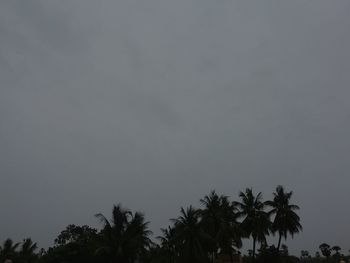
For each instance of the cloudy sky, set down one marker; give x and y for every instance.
(154, 103)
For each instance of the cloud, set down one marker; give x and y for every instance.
(154, 103)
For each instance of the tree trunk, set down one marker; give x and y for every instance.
(279, 242)
(254, 241)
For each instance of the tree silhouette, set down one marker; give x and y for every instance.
(125, 237)
(325, 250)
(211, 234)
(73, 233)
(336, 249)
(190, 238)
(256, 222)
(74, 244)
(304, 254)
(27, 252)
(168, 248)
(8, 250)
(219, 220)
(286, 220)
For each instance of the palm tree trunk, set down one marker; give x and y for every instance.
(279, 242)
(254, 241)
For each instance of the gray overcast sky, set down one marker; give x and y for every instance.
(153, 103)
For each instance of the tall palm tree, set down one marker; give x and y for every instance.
(189, 237)
(168, 246)
(168, 236)
(286, 220)
(27, 251)
(256, 222)
(219, 220)
(8, 250)
(125, 237)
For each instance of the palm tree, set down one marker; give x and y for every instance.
(167, 237)
(256, 222)
(125, 237)
(8, 250)
(27, 252)
(168, 248)
(219, 220)
(286, 220)
(189, 237)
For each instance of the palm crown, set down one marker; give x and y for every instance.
(286, 220)
(125, 237)
(256, 221)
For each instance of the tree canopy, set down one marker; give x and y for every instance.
(210, 233)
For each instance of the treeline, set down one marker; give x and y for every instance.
(212, 233)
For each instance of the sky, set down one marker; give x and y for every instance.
(154, 103)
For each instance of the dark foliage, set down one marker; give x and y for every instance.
(211, 234)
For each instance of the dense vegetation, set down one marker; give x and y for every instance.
(212, 233)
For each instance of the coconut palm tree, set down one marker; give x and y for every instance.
(219, 220)
(8, 250)
(190, 239)
(286, 220)
(169, 252)
(256, 222)
(167, 239)
(27, 252)
(125, 237)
